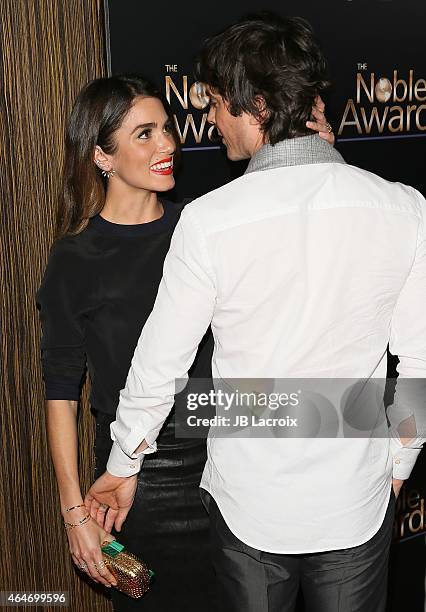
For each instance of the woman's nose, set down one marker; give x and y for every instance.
(166, 145)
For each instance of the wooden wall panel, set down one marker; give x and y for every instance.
(49, 50)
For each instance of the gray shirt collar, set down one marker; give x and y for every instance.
(294, 152)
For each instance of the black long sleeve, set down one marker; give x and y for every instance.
(98, 290)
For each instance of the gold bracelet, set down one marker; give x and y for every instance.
(74, 507)
(81, 522)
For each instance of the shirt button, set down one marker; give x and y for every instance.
(397, 460)
(133, 466)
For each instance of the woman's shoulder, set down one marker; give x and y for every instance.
(172, 212)
(63, 254)
(73, 248)
(179, 206)
(67, 264)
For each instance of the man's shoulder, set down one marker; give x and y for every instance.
(363, 184)
(221, 206)
(285, 189)
(216, 197)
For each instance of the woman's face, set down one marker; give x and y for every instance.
(145, 147)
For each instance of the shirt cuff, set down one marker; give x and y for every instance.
(120, 464)
(62, 390)
(404, 459)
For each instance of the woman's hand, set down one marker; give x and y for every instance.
(85, 548)
(321, 124)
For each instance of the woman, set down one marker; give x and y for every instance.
(97, 292)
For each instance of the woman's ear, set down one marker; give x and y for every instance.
(102, 160)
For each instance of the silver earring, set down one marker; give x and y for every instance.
(108, 173)
(105, 173)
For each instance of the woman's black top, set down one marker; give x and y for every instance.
(98, 290)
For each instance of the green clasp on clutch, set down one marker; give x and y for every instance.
(112, 549)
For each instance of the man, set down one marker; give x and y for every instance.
(306, 268)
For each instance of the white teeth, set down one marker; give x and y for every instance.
(162, 166)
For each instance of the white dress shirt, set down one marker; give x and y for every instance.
(304, 267)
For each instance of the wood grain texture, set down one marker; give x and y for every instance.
(49, 50)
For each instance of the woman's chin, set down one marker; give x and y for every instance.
(166, 183)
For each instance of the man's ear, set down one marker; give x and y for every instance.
(262, 106)
(101, 159)
(262, 109)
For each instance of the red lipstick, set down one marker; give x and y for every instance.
(167, 168)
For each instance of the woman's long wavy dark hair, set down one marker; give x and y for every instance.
(98, 112)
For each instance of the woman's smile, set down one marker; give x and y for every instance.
(163, 167)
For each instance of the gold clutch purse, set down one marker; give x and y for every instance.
(132, 575)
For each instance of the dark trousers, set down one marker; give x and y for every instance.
(347, 580)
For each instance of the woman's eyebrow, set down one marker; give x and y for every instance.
(144, 125)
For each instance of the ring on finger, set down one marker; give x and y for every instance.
(83, 566)
(99, 564)
(104, 506)
(329, 128)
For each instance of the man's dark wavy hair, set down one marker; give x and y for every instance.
(269, 56)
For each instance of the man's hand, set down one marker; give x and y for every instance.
(321, 124)
(109, 500)
(397, 484)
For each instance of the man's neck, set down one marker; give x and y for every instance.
(294, 152)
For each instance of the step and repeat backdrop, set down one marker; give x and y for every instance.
(376, 104)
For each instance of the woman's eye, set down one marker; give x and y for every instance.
(168, 127)
(145, 134)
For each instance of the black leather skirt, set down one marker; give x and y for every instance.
(167, 526)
